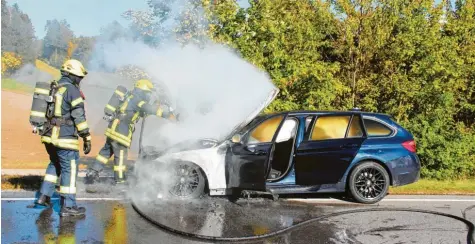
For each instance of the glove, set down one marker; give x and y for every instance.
(87, 144)
(107, 118)
(37, 130)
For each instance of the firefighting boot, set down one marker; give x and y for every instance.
(44, 201)
(73, 211)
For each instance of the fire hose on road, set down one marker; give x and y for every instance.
(470, 225)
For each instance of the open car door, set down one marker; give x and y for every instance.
(246, 160)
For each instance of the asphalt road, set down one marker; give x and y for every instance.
(112, 219)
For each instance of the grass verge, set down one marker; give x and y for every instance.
(48, 69)
(13, 85)
(434, 187)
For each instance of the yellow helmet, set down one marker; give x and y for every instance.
(74, 67)
(145, 85)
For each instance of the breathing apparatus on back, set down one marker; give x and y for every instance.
(121, 94)
(44, 95)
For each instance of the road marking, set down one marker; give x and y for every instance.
(289, 199)
(428, 200)
(387, 200)
(78, 199)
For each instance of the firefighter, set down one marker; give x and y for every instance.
(121, 127)
(60, 137)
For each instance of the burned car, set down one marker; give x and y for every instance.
(291, 152)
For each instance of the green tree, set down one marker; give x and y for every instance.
(18, 34)
(55, 43)
(84, 49)
(290, 40)
(412, 60)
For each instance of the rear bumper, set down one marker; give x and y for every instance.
(405, 170)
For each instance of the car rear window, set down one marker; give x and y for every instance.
(330, 127)
(374, 128)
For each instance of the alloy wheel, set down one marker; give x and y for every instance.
(186, 180)
(370, 183)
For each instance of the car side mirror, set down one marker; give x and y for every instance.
(236, 138)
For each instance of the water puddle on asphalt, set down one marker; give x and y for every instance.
(118, 222)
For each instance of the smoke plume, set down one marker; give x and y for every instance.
(208, 84)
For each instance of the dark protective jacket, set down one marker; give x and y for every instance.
(69, 107)
(134, 107)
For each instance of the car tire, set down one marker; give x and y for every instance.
(187, 175)
(366, 183)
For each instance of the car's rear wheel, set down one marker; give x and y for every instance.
(188, 181)
(368, 182)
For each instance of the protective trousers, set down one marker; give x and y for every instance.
(119, 151)
(63, 166)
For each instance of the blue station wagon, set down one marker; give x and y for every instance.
(291, 152)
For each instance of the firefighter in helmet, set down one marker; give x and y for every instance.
(60, 137)
(121, 127)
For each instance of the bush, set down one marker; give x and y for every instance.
(10, 62)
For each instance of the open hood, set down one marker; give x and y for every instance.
(270, 97)
(208, 142)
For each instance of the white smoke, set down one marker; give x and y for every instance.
(28, 74)
(213, 78)
(211, 87)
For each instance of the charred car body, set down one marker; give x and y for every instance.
(297, 152)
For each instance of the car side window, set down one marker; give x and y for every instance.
(287, 131)
(374, 128)
(330, 127)
(265, 131)
(355, 130)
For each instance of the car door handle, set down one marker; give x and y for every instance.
(349, 145)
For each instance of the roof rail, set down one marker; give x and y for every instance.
(355, 109)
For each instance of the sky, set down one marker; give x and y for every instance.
(86, 17)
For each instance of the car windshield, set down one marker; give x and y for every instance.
(256, 120)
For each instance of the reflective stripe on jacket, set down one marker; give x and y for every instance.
(132, 109)
(69, 105)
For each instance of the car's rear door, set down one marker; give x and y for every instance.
(329, 147)
(247, 161)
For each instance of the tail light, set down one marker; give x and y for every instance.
(410, 146)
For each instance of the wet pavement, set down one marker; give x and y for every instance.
(113, 220)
